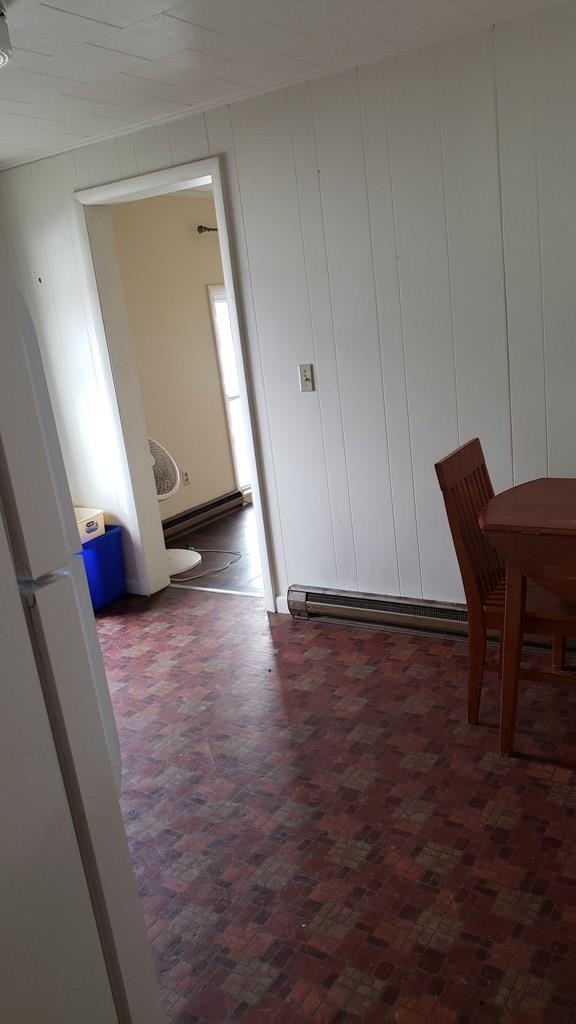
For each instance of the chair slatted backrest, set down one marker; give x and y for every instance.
(467, 488)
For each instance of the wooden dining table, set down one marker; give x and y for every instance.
(533, 526)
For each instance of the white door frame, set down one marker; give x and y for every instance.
(124, 379)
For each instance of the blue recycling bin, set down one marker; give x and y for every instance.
(104, 564)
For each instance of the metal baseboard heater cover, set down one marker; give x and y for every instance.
(400, 613)
(193, 517)
(375, 609)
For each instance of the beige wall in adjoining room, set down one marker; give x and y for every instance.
(165, 267)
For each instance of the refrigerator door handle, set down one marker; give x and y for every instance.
(52, 962)
(75, 570)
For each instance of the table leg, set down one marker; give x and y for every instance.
(512, 650)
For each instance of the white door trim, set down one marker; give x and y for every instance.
(126, 385)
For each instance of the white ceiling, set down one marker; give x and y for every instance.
(86, 69)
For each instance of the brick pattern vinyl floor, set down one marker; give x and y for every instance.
(318, 836)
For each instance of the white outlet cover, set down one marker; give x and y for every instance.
(306, 375)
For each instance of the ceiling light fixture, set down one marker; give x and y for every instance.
(6, 51)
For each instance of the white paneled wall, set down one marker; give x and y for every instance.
(410, 228)
(262, 134)
(555, 103)
(336, 111)
(521, 230)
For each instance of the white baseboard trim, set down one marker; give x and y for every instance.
(282, 604)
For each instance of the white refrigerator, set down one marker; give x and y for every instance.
(73, 946)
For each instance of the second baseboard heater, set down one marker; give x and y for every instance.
(375, 609)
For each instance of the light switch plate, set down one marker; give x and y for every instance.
(306, 372)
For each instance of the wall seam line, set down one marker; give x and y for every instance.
(206, 136)
(336, 362)
(259, 349)
(378, 324)
(312, 335)
(540, 259)
(447, 239)
(504, 275)
(402, 329)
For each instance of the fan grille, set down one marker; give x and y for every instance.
(166, 476)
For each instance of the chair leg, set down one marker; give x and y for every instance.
(513, 632)
(558, 651)
(476, 659)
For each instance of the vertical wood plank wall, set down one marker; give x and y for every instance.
(410, 228)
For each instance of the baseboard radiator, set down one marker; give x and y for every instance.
(175, 526)
(402, 613)
(376, 610)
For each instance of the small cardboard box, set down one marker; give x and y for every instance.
(90, 522)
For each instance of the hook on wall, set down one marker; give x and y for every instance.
(202, 228)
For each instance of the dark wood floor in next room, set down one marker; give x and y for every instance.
(233, 532)
(318, 836)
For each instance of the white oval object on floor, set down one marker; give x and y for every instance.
(182, 560)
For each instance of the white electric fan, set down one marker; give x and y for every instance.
(167, 480)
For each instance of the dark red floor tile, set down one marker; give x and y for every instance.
(319, 838)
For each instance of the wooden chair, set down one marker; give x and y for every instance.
(466, 486)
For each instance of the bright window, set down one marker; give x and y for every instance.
(230, 385)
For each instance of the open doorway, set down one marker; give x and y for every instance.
(163, 272)
(178, 315)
